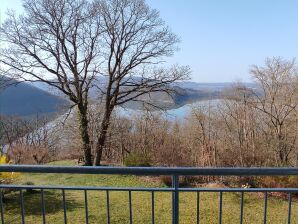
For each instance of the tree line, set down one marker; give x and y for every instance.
(249, 126)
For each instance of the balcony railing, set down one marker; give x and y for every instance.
(175, 173)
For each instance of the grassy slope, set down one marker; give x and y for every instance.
(253, 208)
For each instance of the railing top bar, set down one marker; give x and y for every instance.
(89, 188)
(148, 189)
(152, 170)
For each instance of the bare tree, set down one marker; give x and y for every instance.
(135, 40)
(278, 101)
(206, 136)
(55, 42)
(240, 122)
(27, 140)
(68, 43)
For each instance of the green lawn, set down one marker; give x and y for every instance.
(141, 203)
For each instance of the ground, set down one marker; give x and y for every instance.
(141, 203)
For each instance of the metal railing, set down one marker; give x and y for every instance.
(175, 189)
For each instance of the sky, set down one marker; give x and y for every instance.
(221, 39)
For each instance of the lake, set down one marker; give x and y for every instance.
(173, 114)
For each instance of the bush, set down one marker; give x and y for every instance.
(7, 178)
(183, 181)
(30, 190)
(135, 159)
(279, 182)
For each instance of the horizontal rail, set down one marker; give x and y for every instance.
(32, 187)
(147, 189)
(152, 170)
(175, 190)
(235, 190)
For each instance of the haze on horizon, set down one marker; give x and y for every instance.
(221, 39)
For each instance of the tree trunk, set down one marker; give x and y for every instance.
(102, 138)
(99, 149)
(85, 135)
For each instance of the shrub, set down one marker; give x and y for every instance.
(183, 181)
(7, 178)
(135, 159)
(166, 180)
(28, 154)
(30, 190)
(279, 182)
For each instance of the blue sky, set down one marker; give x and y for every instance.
(222, 38)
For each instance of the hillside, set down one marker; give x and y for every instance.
(24, 99)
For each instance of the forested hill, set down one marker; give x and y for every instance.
(24, 99)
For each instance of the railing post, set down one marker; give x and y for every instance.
(175, 199)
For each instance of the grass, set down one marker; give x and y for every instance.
(141, 203)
